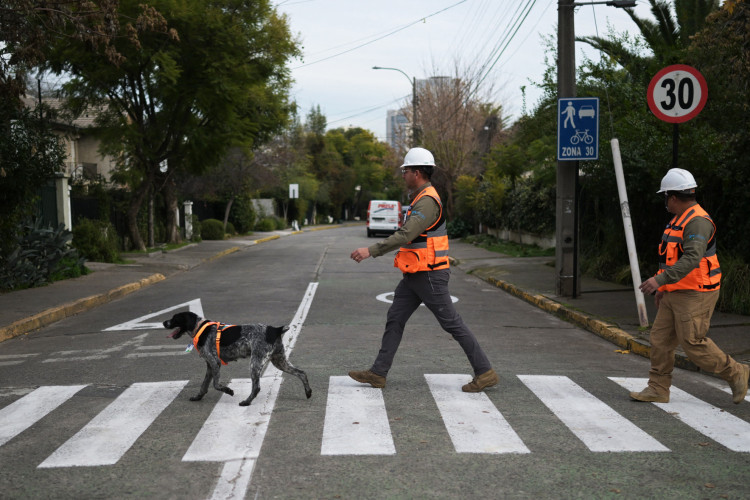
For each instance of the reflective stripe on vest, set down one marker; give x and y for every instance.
(706, 276)
(429, 250)
(220, 327)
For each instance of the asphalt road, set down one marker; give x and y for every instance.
(96, 406)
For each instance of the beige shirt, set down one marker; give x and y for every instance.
(695, 239)
(424, 213)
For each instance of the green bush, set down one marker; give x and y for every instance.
(280, 223)
(212, 229)
(196, 228)
(40, 255)
(735, 285)
(266, 224)
(458, 228)
(230, 228)
(96, 240)
(243, 214)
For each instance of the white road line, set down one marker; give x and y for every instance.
(712, 422)
(25, 412)
(234, 432)
(136, 355)
(472, 421)
(236, 474)
(356, 422)
(11, 363)
(106, 438)
(596, 424)
(234, 480)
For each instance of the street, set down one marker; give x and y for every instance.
(97, 406)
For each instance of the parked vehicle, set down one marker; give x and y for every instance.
(383, 216)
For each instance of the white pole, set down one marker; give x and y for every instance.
(632, 255)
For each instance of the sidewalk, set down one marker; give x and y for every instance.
(605, 309)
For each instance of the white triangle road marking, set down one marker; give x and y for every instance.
(141, 324)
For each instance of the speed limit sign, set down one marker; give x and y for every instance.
(677, 93)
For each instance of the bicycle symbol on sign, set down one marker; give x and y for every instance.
(581, 136)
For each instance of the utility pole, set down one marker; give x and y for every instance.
(568, 282)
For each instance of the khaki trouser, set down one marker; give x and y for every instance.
(683, 318)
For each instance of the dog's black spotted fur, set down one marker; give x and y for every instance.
(261, 343)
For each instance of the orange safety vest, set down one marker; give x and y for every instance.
(706, 277)
(429, 250)
(220, 327)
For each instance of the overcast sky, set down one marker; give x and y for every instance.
(343, 39)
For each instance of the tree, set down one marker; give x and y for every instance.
(27, 29)
(215, 78)
(29, 158)
(666, 36)
(458, 127)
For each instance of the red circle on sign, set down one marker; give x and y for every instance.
(661, 76)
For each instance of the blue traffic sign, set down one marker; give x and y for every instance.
(578, 128)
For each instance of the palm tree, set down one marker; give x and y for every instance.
(667, 37)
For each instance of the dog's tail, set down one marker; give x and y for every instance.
(273, 333)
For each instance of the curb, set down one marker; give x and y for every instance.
(44, 318)
(607, 331)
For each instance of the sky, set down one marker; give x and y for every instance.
(343, 39)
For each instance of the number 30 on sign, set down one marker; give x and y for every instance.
(677, 93)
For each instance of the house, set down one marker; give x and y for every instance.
(83, 160)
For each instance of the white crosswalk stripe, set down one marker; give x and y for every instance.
(234, 432)
(356, 422)
(22, 414)
(472, 421)
(596, 424)
(105, 439)
(712, 422)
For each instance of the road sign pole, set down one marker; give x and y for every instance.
(675, 144)
(566, 244)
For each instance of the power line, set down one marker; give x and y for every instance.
(421, 19)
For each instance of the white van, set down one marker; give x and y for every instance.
(383, 216)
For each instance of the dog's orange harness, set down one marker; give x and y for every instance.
(219, 328)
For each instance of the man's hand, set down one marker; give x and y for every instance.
(649, 286)
(360, 254)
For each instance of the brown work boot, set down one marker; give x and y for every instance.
(649, 395)
(739, 384)
(480, 382)
(367, 377)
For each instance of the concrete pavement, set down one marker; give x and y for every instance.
(605, 309)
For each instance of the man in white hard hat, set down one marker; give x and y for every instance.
(686, 288)
(423, 259)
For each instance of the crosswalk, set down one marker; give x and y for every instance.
(356, 420)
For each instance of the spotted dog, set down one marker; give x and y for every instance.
(218, 343)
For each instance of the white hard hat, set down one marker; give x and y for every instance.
(418, 157)
(677, 179)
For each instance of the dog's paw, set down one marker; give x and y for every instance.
(227, 390)
(308, 393)
(196, 398)
(245, 403)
